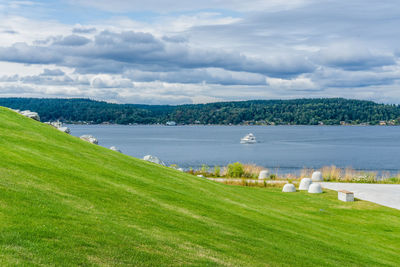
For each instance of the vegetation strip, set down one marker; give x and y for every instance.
(324, 111)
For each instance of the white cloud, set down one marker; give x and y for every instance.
(199, 51)
(184, 5)
(353, 56)
(299, 84)
(108, 81)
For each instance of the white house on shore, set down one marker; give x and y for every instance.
(170, 123)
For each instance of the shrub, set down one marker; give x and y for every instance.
(235, 170)
(204, 169)
(217, 171)
(394, 180)
(174, 166)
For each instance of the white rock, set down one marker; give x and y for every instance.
(90, 139)
(305, 183)
(180, 169)
(64, 129)
(264, 174)
(200, 175)
(59, 126)
(30, 114)
(315, 188)
(153, 159)
(317, 177)
(114, 148)
(288, 188)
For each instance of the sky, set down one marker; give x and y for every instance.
(182, 52)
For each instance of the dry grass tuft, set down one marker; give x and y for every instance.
(305, 172)
(331, 173)
(252, 170)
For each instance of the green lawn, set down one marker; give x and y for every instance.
(67, 202)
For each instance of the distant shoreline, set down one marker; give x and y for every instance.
(311, 111)
(158, 124)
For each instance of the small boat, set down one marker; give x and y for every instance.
(248, 139)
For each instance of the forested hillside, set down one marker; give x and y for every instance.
(328, 111)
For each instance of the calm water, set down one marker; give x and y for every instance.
(287, 148)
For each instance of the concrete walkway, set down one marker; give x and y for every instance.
(384, 194)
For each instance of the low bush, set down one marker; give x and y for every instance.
(235, 170)
(217, 171)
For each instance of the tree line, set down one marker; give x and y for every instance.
(327, 111)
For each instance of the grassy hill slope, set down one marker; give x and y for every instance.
(67, 202)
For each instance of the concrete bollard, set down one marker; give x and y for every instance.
(345, 196)
(288, 188)
(264, 174)
(315, 188)
(317, 177)
(305, 184)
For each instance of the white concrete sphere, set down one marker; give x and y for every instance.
(264, 174)
(317, 176)
(288, 188)
(305, 183)
(315, 188)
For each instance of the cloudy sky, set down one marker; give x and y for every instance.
(184, 51)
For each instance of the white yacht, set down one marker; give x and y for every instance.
(248, 139)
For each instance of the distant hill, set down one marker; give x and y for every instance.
(66, 202)
(328, 111)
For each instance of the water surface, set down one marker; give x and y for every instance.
(287, 148)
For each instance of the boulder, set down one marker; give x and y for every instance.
(317, 177)
(200, 175)
(315, 188)
(90, 139)
(288, 188)
(64, 129)
(264, 174)
(180, 169)
(305, 183)
(114, 148)
(153, 159)
(59, 126)
(30, 114)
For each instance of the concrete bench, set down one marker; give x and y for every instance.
(345, 196)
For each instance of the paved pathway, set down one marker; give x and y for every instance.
(383, 194)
